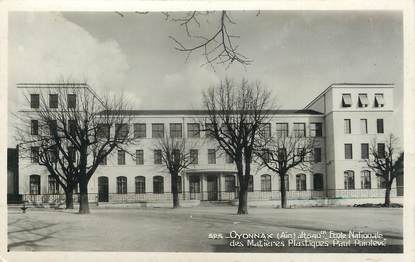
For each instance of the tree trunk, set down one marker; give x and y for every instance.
(283, 192)
(83, 197)
(69, 198)
(387, 196)
(175, 191)
(243, 201)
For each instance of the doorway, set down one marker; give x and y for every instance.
(212, 188)
(102, 189)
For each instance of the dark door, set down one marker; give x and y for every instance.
(194, 187)
(212, 188)
(102, 189)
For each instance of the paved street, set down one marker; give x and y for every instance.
(188, 229)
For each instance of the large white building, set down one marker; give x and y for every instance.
(344, 119)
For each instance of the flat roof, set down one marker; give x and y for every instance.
(205, 112)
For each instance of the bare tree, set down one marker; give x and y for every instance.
(383, 160)
(283, 153)
(80, 125)
(234, 116)
(176, 157)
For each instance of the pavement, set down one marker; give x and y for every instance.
(206, 229)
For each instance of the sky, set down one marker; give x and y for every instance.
(295, 54)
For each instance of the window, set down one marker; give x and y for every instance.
(363, 126)
(316, 129)
(317, 155)
(365, 182)
(176, 156)
(265, 130)
(53, 127)
(179, 184)
(176, 130)
(299, 129)
(34, 101)
(300, 182)
(282, 130)
(364, 149)
(265, 183)
(71, 100)
(382, 183)
(286, 182)
(53, 100)
(157, 157)
(34, 187)
(104, 159)
(266, 155)
(121, 185)
(121, 131)
(282, 154)
(301, 153)
(72, 126)
(348, 151)
(362, 101)
(121, 157)
(194, 156)
(34, 154)
(103, 130)
(53, 185)
(194, 186)
(379, 101)
(211, 156)
(71, 154)
(209, 130)
(140, 130)
(348, 179)
(228, 158)
(193, 130)
(251, 183)
(157, 130)
(158, 185)
(139, 157)
(230, 183)
(34, 127)
(347, 126)
(379, 126)
(318, 182)
(381, 150)
(140, 185)
(53, 154)
(346, 100)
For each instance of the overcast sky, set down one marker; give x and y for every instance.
(295, 54)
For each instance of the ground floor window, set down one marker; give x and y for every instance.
(265, 183)
(301, 183)
(365, 181)
(158, 185)
(34, 184)
(53, 185)
(121, 185)
(381, 182)
(348, 179)
(318, 182)
(179, 184)
(194, 184)
(230, 183)
(251, 184)
(140, 185)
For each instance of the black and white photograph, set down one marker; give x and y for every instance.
(243, 131)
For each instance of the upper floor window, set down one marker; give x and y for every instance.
(381, 150)
(265, 130)
(348, 151)
(210, 130)
(299, 129)
(363, 126)
(34, 127)
(211, 156)
(364, 148)
(121, 157)
(282, 130)
(317, 154)
(34, 154)
(140, 130)
(71, 100)
(379, 101)
(34, 101)
(103, 130)
(53, 100)
(347, 126)
(71, 154)
(379, 126)
(53, 127)
(157, 130)
(121, 131)
(316, 129)
(103, 156)
(157, 157)
(193, 130)
(139, 154)
(363, 101)
(194, 156)
(346, 100)
(176, 130)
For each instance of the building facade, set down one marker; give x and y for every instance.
(344, 120)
